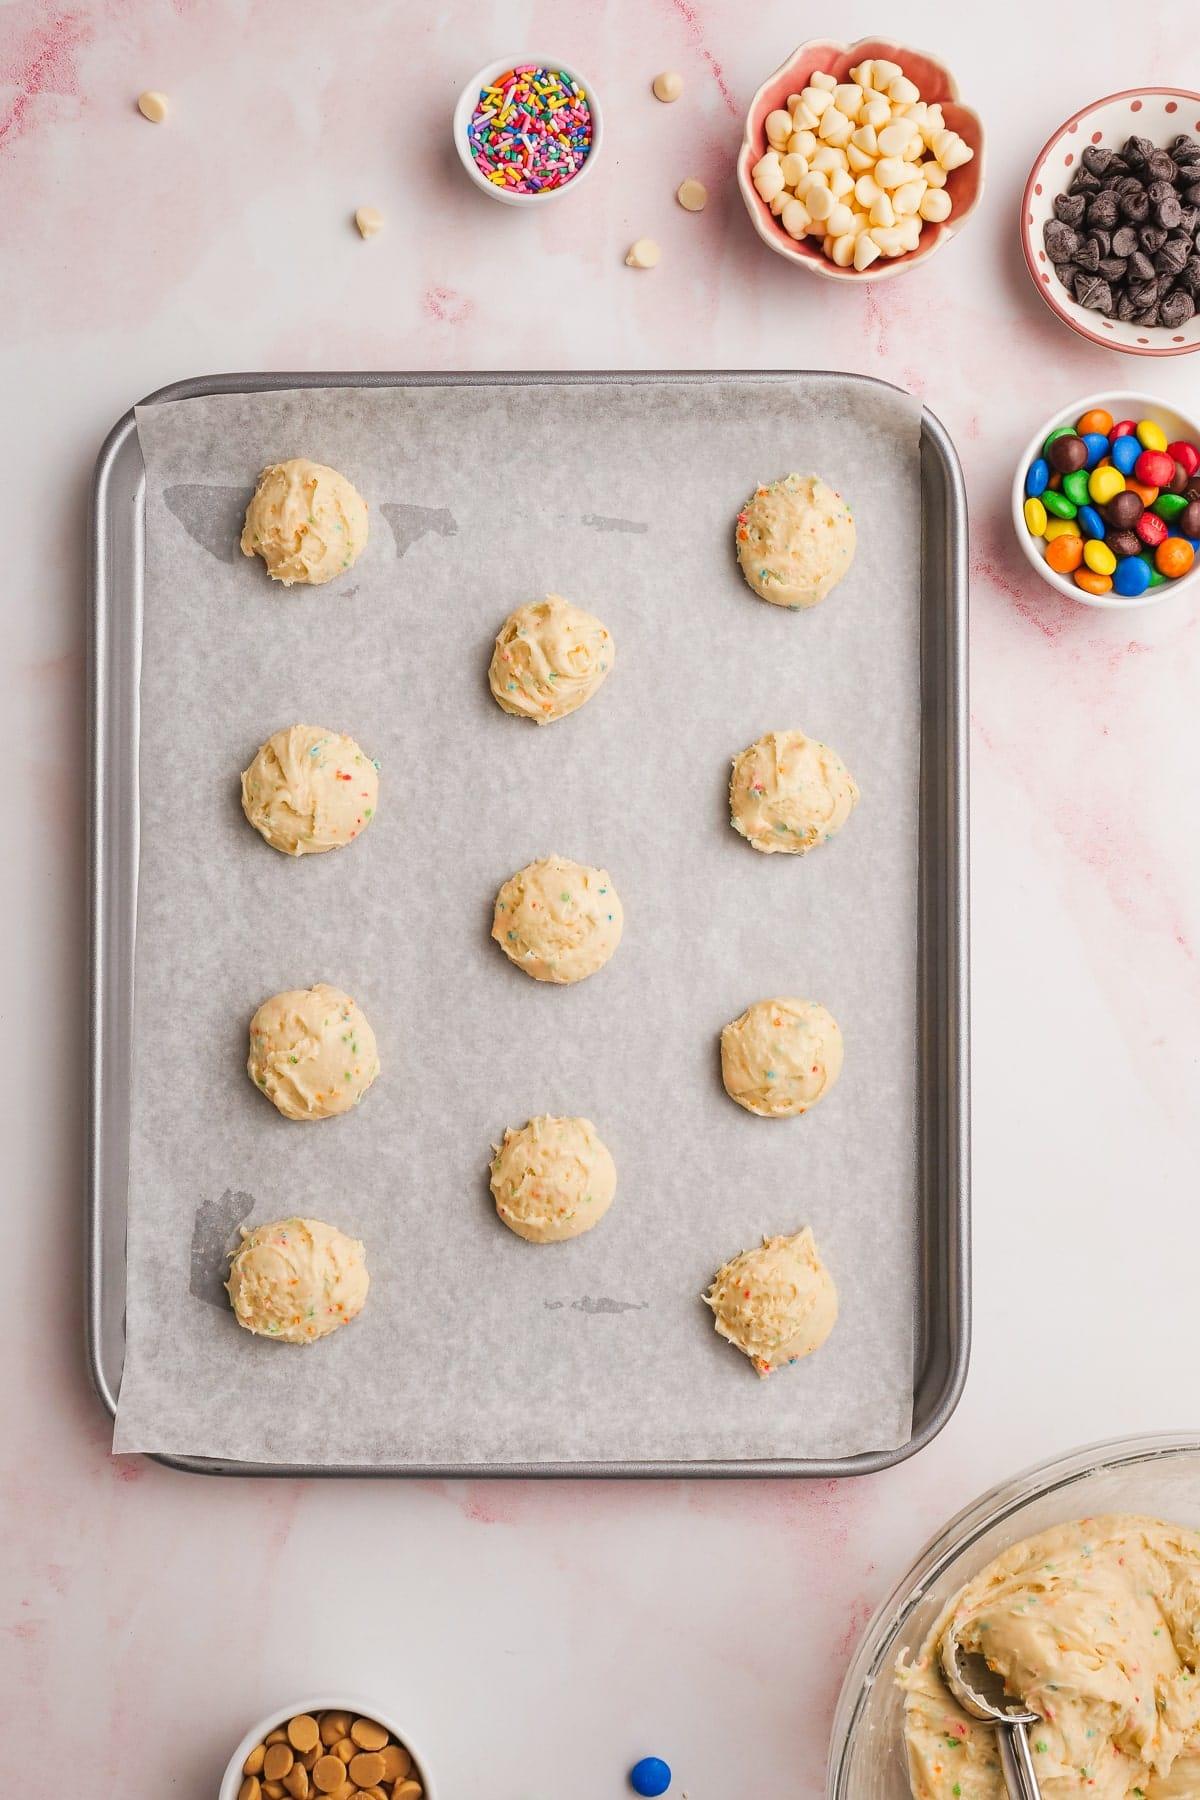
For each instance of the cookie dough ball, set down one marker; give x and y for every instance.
(795, 540)
(549, 658)
(553, 1179)
(312, 1052)
(309, 790)
(789, 792)
(297, 1280)
(307, 522)
(781, 1057)
(777, 1303)
(558, 920)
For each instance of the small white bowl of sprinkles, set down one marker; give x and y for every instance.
(527, 130)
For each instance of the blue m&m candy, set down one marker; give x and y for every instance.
(650, 1776)
(1090, 522)
(1131, 577)
(1123, 452)
(1097, 447)
(1038, 478)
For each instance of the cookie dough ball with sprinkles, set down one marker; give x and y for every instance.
(559, 921)
(795, 540)
(297, 1280)
(789, 793)
(531, 129)
(550, 658)
(310, 790)
(776, 1303)
(780, 1057)
(553, 1179)
(312, 1052)
(307, 522)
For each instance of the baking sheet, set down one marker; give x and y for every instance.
(476, 1347)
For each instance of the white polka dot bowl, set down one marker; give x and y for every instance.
(936, 83)
(1155, 113)
(234, 1776)
(464, 111)
(1121, 406)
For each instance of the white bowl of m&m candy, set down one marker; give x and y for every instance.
(527, 130)
(1106, 500)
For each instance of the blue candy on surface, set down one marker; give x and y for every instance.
(1097, 447)
(650, 1776)
(1131, 577)
(1038, 478)
(1123, 453)
(1090, 522)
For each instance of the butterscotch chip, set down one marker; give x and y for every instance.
(303, 1733)
(396, 1762)
(274, 1790)
(334, 1725)
(254, 1761)
(296, 1781)
(309, 1758)
(345, 1748)
(367, 1768)
(407, 1790)
(347, 1791)
(278, 1736)
(371, 1793)
(278, 1761)
(251, 1788)
(368, 1735)
(329, 1773)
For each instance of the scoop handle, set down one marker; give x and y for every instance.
(1016, 1759)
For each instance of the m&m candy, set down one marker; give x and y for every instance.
(1115, 504)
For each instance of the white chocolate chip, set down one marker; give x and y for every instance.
(867, 190)
(840, 222)
(817, 100)
(933, 174)
(840, 251)
(876, 113)
(884, 73)
(847, 97)
(892, 172)
(935, 205)
(779, 129)
(643, 254)
(692, 195)
(795, 168)
(795, 219)
(841, 183)
(802, 143)
(780, 200)
(153, 106)
(908, 198)
(818, 79)
(819, 201)
(668, 86)
(804, 118)
(902, 92)
(369, 221)
(882, 212)
(827, 157)
(865, 251)
(895, 139)
(909, 231)
(835, 127)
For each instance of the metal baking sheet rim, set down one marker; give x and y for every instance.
(114, 637)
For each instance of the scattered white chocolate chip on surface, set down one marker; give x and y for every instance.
(692, 195)
(369, 221)
(153, 106)
(668, 86)
(643, 254)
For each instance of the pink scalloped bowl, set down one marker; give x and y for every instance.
(1156, 113)
(965, 185)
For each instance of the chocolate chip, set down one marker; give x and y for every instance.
(1186, 151)
(1189, 276)
(1189, 219)
(1097, 157)
(1152, 237)
(1102, 240)
(1070, 208)
(1085, 182)
(1123, 543)
(1192, 194)
(1093, 292)
(1112, 268)
(1061, 240)
(1149, 317)
(1143, 293)
(1161, 165)
(1137, 151)
(1140, 266)
(1124, 307)
(1168, 212)
(1087, 254)
(1135, 204)
(1103, 210)
(1177, 308)
(1066, 272)
(1171, 258)
(1125, 241)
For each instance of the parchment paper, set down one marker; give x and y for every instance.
(475, 1346)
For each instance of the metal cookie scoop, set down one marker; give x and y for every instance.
(980, 1692)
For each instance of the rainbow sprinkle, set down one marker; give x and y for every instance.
(531, 129)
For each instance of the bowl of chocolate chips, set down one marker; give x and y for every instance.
(1110, 222)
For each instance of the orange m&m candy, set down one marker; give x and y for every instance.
(1090, 582)
(1064, 553)
(1097, 420)
(1147, 495)
(1174, 557)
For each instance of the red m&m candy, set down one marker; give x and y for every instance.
(1155, 468)
(1185, 453)
(1124, 428)
(1151, 529)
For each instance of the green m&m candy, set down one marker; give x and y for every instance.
(1169, 506)
(1058, 504)
(1075, 487)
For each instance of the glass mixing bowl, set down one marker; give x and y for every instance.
(1157, 1476)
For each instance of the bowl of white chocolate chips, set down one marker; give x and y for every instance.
(859, 160)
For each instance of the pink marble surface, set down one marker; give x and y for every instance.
(539, 1637)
